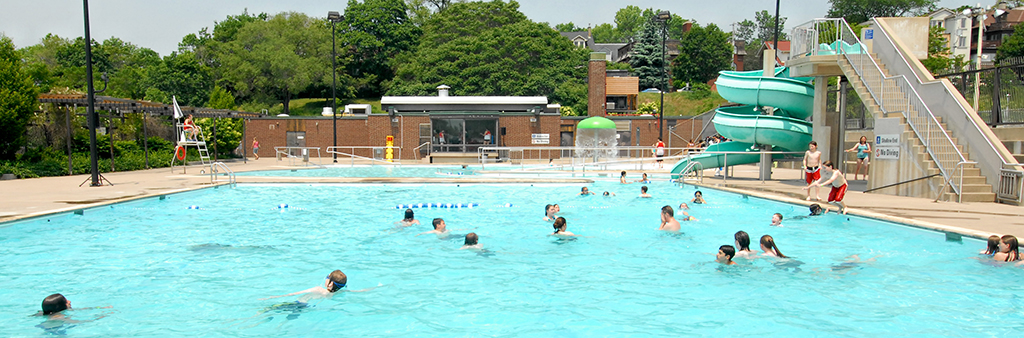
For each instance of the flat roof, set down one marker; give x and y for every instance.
(492, 100)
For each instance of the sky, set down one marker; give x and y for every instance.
(160, 25)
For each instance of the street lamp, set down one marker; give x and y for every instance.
(334, 17)
(979, 13)
(663, 17)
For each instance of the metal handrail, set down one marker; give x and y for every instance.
(698, 174)
(353, 156)
(572, 151)
(960, 196)
(876, 86)
(416, 151)
(216, 169)
(286, 151)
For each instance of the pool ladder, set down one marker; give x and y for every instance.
(219, 168)
(696, 170)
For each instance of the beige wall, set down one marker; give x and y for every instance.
(912, 32)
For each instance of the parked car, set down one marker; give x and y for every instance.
(651, 90)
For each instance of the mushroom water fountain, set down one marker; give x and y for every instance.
(596, 138)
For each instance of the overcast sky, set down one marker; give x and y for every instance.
(160, 25)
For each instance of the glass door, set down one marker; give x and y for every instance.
(448, 135)
(482, 132)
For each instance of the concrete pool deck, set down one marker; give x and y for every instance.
(32, 197)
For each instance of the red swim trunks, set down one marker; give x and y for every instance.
(812, 174)
(837, 194)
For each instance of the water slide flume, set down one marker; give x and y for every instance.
(745, 125)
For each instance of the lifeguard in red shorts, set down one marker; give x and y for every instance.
(838, 182)
(812, 168)
(189, 126)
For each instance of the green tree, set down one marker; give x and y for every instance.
(1013, 45)
(183, 76)
(375, 32)
(567, 27)
(500, 53)
(647, 59)
(629, 20)
(605, 33)
(277, 58)
(17, 100)
(857, 11)
(766, 26)
(418, 11)
(745, 30)
(703, 52)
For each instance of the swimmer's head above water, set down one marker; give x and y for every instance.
(55, 303)
(559, 224)
(472, 238)
(409, 215)
(335, 281)
(438, 224)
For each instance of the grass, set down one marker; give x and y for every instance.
(684, 103)
(314, 106)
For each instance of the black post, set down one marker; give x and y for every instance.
(334, 87)
(145, 138)
(215, 138)
(67, 119)
(110, 141)
(775, 43)
(245, 158)
(94, 169)
(996, 96)
(661, 109)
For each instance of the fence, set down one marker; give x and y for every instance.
(1000, 89)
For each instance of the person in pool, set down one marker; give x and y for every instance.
(54, 307)
(993, 246)
(622, 178)
(668, 219)
(586, 191)
(698, 198)
(644, 179)
(410, 218)
(560, 229)
(440, 228)
(776, 220)
(725, 255)
(817, 210)
(608, 194)
(1008, 251)
(643, 192)
(333, 284)
(472, 242)
(549, 212)
(743, 244)
(769, 248)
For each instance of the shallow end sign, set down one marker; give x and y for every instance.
(540, 138)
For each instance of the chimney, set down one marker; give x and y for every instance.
(596, 73)
(442, 90)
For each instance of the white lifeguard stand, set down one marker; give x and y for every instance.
(184, 142)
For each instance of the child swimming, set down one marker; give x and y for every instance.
(560, 229)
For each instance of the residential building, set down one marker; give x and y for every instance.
(781, 54)
(957, 30)
(999, 24)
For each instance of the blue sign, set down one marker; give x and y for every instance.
(869, 34)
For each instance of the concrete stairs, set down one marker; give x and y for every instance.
(975, 188)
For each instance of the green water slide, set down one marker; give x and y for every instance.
(747, 126)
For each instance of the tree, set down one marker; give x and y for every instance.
(181, 75)
(647, 58)
(277, 58)
(17, 100)
(744, 30)
(229, 131)
(418, 12)
(857, 11)
(629, 20)
(567, 27)
(703, 52)
(766, 26)
(500, 53)
(938, 51)
(375, 32)
(1013, 45)
(605, 33)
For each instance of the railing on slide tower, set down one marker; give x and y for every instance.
(893, 94)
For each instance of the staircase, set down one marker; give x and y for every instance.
(974, 186)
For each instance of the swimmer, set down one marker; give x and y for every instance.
(851, 262)
(549, 212)
(682, 208)
(668, 219)
(54, 307)
(993, 246)
(472, 242)
(776, 220)
(622, 178)
(769, 248)
(586, 191)
(742, 244)
(644, 179)
(558, 209)
(643, 192)
(817, 210)
(698, 198)
(1008, 251)
(332, 284)
(608, 194)
(560, 229)
(410, 219)
(439, 228)
(725, 254)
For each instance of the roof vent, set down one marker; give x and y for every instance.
(442, 90)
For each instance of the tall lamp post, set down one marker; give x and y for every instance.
(979, 14)
(334, 17)
(94, 170)
(663, 17)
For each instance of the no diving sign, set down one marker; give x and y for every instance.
(887, 153)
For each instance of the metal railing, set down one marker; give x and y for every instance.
(303, 155)
(959, 197)
(416, 151)
(372, 151)
(692, 167)
(1011, 182)
(219, 168)
(578, 155)
(893, 94)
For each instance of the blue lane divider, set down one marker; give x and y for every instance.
(437, 205)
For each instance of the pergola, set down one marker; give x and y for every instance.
(117, 107)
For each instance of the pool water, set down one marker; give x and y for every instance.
(167, 270)
(366, 171)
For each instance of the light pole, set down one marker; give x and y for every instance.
(663, 16)
(979, 13)
(334, 17)
(94, 170)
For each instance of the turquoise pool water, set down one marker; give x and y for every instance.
(168, 270)
(367, 171)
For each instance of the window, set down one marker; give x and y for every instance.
(963, 22)
(962, 42)
(580, 43)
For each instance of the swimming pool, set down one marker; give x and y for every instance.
(170, 270)
(366, 171)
